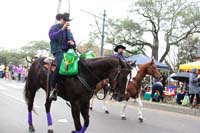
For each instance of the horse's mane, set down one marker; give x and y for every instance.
(40, 60)
(107, 60)
(147, 64)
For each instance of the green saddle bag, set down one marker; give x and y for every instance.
(87, 55)
(69, 64)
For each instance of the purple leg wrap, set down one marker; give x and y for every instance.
(82, 130)
(49, 120)
(30, 118)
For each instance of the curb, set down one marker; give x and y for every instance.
(166, 107)
(172, 108)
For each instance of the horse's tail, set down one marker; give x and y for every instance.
(26, 92)
(32, 85)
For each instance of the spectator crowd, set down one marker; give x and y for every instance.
(13, 72)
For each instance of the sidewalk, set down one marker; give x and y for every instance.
(171, 107)
(167, 107)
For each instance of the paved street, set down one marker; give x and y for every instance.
(13, 116)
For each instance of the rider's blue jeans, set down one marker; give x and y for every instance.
(58, 58)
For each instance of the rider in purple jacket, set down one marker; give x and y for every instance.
(120, 49)
(61, 40)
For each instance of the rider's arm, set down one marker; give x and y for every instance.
(54, 33)
(72, 38)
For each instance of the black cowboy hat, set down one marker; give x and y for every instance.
(65, 16)
(118, 47)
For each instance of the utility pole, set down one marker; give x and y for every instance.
(58, 9)
(69, 6)
(102, 33)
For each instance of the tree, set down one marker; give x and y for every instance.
(177, 19)
(115, 31)
(35, 49)
(156, 25)
(11, 57)
(187, 50)
(122, 31)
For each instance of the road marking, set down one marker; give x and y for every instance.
(63, 120)
(18, 99)
(15, 86)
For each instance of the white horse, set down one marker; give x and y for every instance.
(133, 89)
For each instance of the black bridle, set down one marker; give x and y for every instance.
(115, 83)
(89, 88)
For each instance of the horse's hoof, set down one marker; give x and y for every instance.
(31, 128)
(123, 117)
(140, 119)
(107, 112)
(90, 108)
(73, 131)
(50, 131)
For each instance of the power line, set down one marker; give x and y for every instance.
(108, 21)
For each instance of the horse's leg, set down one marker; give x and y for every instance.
(85, 114)
(122, 113)
(139, 101)
(123, 116)
(47, 107)
(104, 105)
(75, 109)
(30, 122)
(30, 101)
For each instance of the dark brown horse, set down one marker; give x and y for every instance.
(76, 89)
(133, 89)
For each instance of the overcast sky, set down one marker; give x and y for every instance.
(23, 21)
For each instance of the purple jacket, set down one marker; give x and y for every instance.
(120, 56)
(20, 69)
(59, 39)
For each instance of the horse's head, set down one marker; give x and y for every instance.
(118, 80)
(113, 68)
(151, 69)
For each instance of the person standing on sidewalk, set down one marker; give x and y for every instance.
(194, 88)
(157, 87)
(1, 70)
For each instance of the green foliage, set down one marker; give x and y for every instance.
(175, 20)
(89, 44)
(11, 57)
(35, 49)
(188, 50)
(24, 55)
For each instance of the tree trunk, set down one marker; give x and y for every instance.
(166, 50)
(155, 47)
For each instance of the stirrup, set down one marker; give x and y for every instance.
(53, 95)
